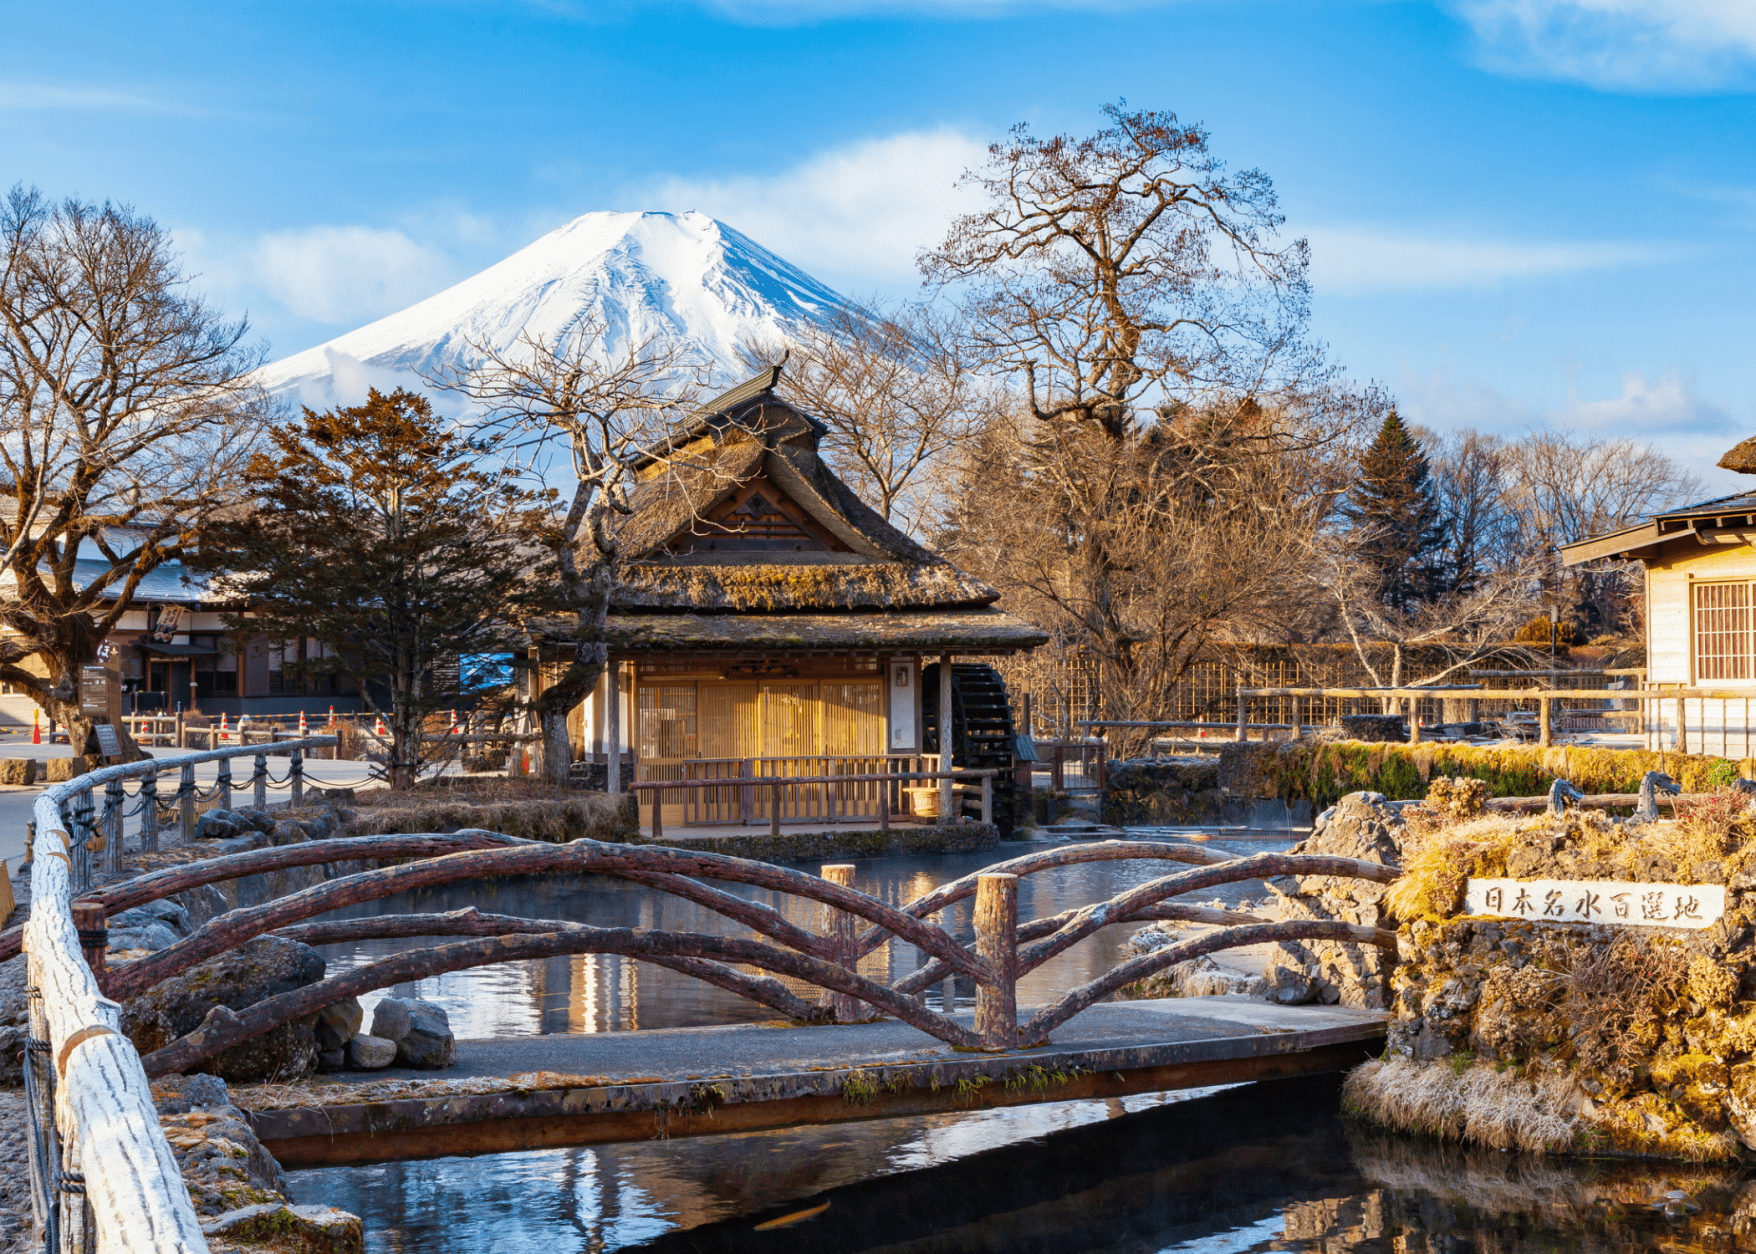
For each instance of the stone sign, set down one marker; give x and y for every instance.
(1598, 901)
(109, 744)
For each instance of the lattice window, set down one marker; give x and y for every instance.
(1722, 631)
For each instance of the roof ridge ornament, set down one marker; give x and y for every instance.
(1741, 458)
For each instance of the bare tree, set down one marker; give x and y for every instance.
(610, 408)
(896, 389)
(1114, 274)
(1472, 473)
(127, 412)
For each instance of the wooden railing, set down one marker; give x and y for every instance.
(102, 1174)
(742, 790)
(776, 788)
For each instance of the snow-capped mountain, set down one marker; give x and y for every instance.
(678, 275)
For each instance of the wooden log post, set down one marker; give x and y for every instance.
(1243, 718)
(296, 778)
(1414, 720)
(84, 836)
(840, 928)
(613, 733)
(1682, 724)
(1545, 734)
(884, 787)
(997, 943)
(115, 801)
(947, 786)
(186, 803)
(149, 812)
(774, 811)
(987, 798)
(94, 937)
(658, 812)
(259, 782)
(224, 783)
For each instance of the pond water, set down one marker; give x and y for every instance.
(1248, 1168)
(606, 993)
(1251, 1168)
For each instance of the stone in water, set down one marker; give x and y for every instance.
(1598, 901)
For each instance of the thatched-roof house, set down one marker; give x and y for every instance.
(765, 612)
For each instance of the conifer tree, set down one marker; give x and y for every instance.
(1395, 510)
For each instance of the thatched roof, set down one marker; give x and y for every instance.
(853, 583)
(738, 515)
(930, 631)
(1741, 457)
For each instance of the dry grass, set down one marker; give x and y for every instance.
(1474, 1104)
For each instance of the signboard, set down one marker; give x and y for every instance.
(170, 622)
(904, 702)
(94, 691)
(1598, 901)
(109, 744)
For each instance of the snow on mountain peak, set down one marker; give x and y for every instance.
(676, 275)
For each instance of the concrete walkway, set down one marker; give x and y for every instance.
(530, 1092)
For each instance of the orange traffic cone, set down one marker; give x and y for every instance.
(36, 727)
(378, 726)
(454, 720)
(301, 722)
(224, 734)
(332, 716)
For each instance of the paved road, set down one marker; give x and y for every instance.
(16, 803)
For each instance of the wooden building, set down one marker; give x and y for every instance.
(768, 622)
(1699, 563)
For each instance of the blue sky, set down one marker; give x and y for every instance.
(1523, 212)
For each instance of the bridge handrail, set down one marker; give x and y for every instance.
(99, 1106)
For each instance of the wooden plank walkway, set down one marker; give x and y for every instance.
(699, 1081)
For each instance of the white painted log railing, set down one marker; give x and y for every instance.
(103, 1176)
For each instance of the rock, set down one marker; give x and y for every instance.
(154, 936)
(391, 1019)
(180, 1094)
(296, 1229)
(60, 770)
(370, 1053)
(255, 820)
(168, 913)
(331, 1059)
(428, 1044)
(1740, 1103)
(217, 1152)
(339, 1023)
(18, 771)
(1376, 728)
(260, 968)
(218, 825)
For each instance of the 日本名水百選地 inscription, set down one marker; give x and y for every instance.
(1598, 901)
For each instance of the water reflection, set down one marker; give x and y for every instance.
(1254, 1168)
(606, 993)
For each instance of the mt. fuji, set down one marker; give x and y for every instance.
(684, 276)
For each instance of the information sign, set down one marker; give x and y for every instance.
(1598, 901)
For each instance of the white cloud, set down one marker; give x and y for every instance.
(1666, 410)
(345, 274)
(1689, 45)
(854, 215)
(17, 97)
(1350, 260)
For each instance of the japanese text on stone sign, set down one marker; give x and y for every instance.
(1598, 901)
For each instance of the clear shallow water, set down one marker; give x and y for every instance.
(1253, 1168)
(606, 993)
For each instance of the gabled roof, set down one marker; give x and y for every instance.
(1724, 519)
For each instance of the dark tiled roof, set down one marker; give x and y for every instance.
(1742, 503)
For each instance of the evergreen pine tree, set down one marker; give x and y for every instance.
(1394, 505)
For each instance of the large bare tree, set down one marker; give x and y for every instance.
(127, 411)
(606, 407)
(897, 389)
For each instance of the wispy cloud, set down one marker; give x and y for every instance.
(18, 97)
(1674, 45)
(1354, 260)
(853, 215)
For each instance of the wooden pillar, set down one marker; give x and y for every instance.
(997, 942)
(1682, 724)
(613, 731)
(1414, 720)
(1243, 717)
(839, 926)
(186, 803)
(947, 786)
(94, 941)
(1544, 736)
(987, 798)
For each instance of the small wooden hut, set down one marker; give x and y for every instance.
(769, 623)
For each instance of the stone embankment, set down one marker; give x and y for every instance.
(1583, 1037)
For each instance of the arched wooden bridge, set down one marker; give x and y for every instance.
(100, 1165)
